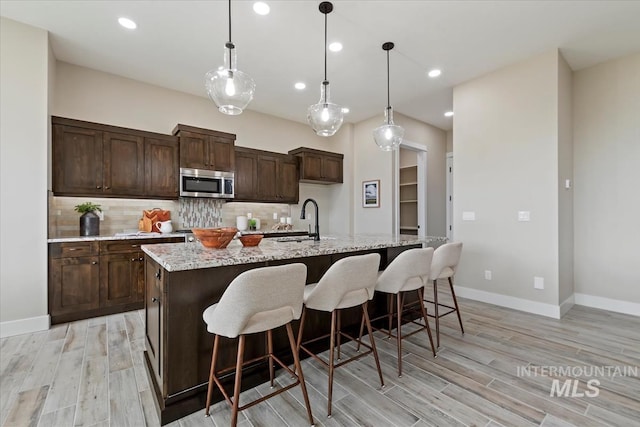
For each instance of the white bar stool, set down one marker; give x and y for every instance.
(258, 300)
(405, 274)
(443, 266)
(349, 282)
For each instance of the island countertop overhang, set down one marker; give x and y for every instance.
(192, 256)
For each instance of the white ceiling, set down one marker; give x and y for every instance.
(178, 41)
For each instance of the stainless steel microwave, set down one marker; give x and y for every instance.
(206, 183)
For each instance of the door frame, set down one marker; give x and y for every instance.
(421, 151)
(449, 196)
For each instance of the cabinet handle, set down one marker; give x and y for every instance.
(98, 187)
(107, 188)
(141, 259)
(94, 262)
(134, 246)
(74, 249)
(133, 259)
(154, 299)
(158, 274)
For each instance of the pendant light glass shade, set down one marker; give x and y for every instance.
(325, 118)
(229, 88)
(389, 135)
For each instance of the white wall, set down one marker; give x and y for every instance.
(505, 154)
(86, 94)
(371, 163)
(23, 177)
(606, 120)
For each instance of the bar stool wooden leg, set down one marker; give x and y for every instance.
(426, 320)
(338, 336)
(399, 332)
(212, 372)
(270, 351)
(331, 351)
(238, 382)
(300, 330)
(373, 342)
(455, 302)
(298, 368)
(390, 313)
(360, 334)
(437, 317)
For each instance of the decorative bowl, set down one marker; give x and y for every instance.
(251, 239)
(217, 238)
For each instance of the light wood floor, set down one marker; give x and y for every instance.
(90, 373)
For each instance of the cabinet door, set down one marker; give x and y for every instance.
(288, 187)
(161, 168)
(312, 166)
(332, 169)
(221, 154)
(119, 279)
(267, 178)
(77, 161)
(123, 164)
(194, 150)
(153, 316)
(74, 285)
(246, 176)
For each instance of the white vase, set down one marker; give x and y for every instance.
(242, 223)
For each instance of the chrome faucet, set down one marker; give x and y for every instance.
(316, 235)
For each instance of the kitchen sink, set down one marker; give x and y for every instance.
(301, 239)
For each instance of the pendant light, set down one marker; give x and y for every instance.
(325, 117)
(389, 135)
(230, 89)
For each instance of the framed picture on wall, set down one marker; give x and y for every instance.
(371, 194)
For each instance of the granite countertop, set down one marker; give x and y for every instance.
(191, 256)
(117, 236)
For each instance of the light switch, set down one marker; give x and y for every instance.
(468, 216)
(538, 282)
(567, 184)
(524, 216)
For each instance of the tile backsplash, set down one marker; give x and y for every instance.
(122, 215)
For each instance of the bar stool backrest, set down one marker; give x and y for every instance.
(411, 265)
(445, 260)
(348, 282)
(258, 300)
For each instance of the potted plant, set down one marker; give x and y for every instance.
(89, 220)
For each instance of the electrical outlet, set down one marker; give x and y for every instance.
(468, 216)
(487, 275)
(538, 282)
(524, 216)
(101, 215)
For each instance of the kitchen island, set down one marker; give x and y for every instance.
(183, 279)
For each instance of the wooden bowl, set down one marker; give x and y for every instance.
(217, 238)
(251, 239)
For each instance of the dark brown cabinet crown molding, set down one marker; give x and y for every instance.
(93, 159)
(319, 167)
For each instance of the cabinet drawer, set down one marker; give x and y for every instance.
(72, 249)
(133, 245)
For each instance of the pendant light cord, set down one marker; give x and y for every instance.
(325, 47)
(388, 96)
(229, 45)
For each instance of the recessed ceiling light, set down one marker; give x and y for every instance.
(434, 73)
(300, 85)
(127, 23)
(261, 8)
(335, 47)
(345, 110)
(448, 114)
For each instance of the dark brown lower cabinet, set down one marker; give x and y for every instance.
(88, 279)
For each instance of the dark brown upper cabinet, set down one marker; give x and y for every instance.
(264, 176)
(320, 167)
(206, 149)
(93, 159)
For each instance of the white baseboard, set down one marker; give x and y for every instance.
(24, 326)
(618, 306)
(543, 309)
(566, 305)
